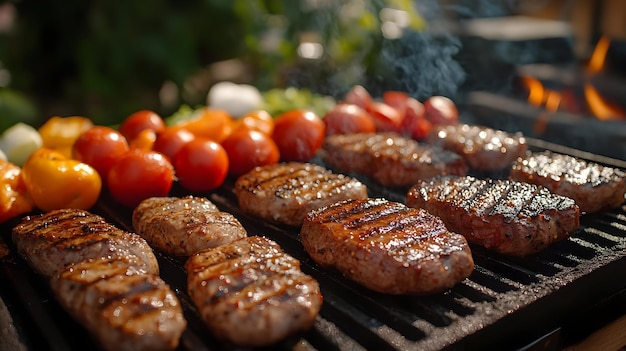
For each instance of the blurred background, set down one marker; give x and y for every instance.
(107, 59)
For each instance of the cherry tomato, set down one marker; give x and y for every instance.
(247, 149)
(259, 120)
(440, 110)
(201, 165)
(100, 147)
(358, 95)
(346, 118)
(140, 121)
(395, 99)
(386, 118)
(138, 175)
(415, 124)
(298, 134)
(171, 140)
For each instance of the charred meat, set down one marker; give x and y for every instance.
(286, 192)
(123, 307)
(251, 293)
(53, 240)
(387, 246)
(483, 148)
(389, 159)
(182, 226)
(593, 187)
(509, 217)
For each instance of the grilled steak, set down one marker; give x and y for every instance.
(387, 246)
(482, 148)
(50, 241)
(592, 186)
(286, 192)
(509, 217)
(122, 306)
(184, 226)
(251, 293)
(388, 158)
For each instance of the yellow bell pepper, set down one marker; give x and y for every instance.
(55, 181)
(59, 133)
(14, 197)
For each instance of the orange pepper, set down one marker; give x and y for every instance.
(59, 133)
(144, 140)
(259, 120)
(209, 123)
(14, 197)
(55, 181)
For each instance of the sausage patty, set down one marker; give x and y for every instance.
(387, 246)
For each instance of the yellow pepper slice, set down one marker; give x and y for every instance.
(14, 197)
(59, 133)
(55, 181)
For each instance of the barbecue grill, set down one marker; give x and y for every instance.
(541, 302)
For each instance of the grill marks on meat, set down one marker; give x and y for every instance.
(509, 217)
(123, 307)
(593, 187)
(390, 159)
(483, 148)
(286, 192)
(106, 278)
(51, 241)
(183, 226)
(387, 246)
(251, 293)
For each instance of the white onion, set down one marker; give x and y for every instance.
(19, 141)
(235, 99)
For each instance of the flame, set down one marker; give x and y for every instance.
(597, 104)
(539, 96)
(598, 56)
(599, 107)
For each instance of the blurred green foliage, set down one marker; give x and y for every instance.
(106, 59)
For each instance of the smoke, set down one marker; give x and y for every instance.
(423, 64)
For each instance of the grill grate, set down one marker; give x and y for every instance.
(506, 303)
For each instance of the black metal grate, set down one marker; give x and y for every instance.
(507, 302)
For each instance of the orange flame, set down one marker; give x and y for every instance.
(539, 96)
(597, 104)
(598, 56)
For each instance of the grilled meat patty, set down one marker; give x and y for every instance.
(182, 226)
(387, 246)
(592, 186)
(251, 293)
(50, 241)
(123, 307)
(509, 217)
(286, 192)
(483, 148)
(388, 158)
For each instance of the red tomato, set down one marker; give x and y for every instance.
(358, 95)
(396, 99)
(415, 123)
(201, 165)
(140, 121)
(100, 147)
(298, 134)
(247, 149)
(138, 175)
(386, 118)
(169, 141)
(440, 110)
(346, 118)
